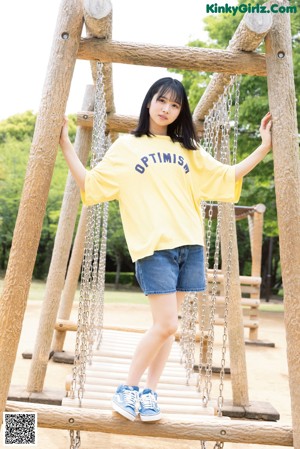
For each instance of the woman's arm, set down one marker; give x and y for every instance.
(76, 167)
(245, 166)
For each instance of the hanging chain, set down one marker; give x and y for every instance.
(227, 275)
(187, 341)
(101, 271)
(75, 440)
(216, 142)
(93, 266)
(213, 123)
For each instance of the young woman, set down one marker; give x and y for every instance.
(159, 174)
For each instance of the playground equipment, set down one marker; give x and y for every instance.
(238, 58)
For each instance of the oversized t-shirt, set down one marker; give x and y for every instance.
(159, 186)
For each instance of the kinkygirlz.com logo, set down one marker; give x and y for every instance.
(214, 8)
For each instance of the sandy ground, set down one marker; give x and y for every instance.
(267, 378)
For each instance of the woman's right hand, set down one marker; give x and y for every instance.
(75, 165)
(64, 134)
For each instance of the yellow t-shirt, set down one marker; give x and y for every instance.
(159, 186)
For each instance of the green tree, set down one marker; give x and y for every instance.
(13, 160)
(15, 140)
(18, 126)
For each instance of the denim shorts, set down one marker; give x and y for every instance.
(170, 270)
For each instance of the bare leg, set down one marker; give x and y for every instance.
(157, 365)
(158, 338)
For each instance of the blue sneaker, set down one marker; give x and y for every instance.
(148, 409)
(124, 401)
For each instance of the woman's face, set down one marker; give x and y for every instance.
(163, 111)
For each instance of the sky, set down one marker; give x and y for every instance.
(26, 35)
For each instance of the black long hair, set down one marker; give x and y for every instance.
(182, 129)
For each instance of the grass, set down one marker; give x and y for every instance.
(37, 291)
(117, 296)
(271, 307)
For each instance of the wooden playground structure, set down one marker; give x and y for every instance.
(239, 58)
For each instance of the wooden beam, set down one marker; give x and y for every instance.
(282, 100)
(36, 186)
(117, 122)
(187, 58)
(209, 429)
(247, 37)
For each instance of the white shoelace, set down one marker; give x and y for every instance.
(130, 397)
(148, 400)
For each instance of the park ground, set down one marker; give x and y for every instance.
(266, 366)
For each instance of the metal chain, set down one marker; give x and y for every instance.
(101, 271)
(235, 84)
(211, 137)
(216, 142)
(93, 265)
(100, 145)
(212, 131)
(75, 439)
(212, 309)
(187, 341)
(204, 295)
(219, 445)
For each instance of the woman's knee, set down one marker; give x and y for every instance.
(167, 329)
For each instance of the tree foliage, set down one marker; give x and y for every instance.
(16, 134)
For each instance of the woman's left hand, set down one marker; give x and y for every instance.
(265, 131)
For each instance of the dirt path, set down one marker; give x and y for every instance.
(267, 378)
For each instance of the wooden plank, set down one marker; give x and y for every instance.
(183, 393)
(246, 323)
(120, 361)
(89, 420)
(176, 370)
(165, 406)
(248, 280)
(99, 377)
(114, 380)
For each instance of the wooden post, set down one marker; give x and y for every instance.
(71, 283)
(256, 252)
(282, 100)
(238, 368)
(257, 239)
(98, 21)
(59, 260)
(36, 188)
